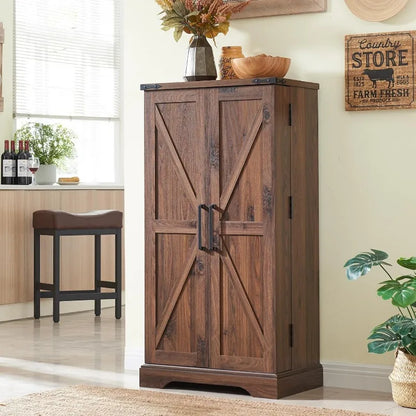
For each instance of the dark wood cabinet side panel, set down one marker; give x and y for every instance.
(305, 228)
(150, 237)
(269, 199)
(282, 232)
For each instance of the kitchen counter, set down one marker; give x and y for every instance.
(57, 187)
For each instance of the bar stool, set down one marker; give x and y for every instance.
(61, 223)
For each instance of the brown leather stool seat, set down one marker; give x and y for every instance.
(61, 220)
(61, 223)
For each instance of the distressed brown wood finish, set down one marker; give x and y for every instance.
(176, 270)
(227, 83)
(224, 314)
(305, 268)
(241, 335)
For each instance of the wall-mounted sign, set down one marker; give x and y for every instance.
(380, 71)
(1, 66)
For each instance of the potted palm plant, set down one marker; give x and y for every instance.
(53, 144)
(399, 331)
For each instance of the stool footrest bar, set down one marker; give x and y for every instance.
(45, 286)
(111, 285)
(79, 295)
(85, 295)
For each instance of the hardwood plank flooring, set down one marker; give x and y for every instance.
(37, 355)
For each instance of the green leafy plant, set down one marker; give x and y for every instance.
(51, 143)
(399, 331)
(198, 17)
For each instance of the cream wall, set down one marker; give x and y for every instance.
(367, 169)
(6, 117)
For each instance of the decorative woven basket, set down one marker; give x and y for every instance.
(403, 380)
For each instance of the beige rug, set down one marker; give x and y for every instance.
(99, 401)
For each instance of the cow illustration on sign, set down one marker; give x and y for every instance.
(380, 75)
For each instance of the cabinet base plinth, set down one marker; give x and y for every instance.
(265, 385)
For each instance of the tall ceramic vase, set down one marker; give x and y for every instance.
(200, 64)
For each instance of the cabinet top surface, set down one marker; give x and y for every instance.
(228, 83)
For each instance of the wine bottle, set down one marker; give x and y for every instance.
(28, 173)
(6, 165)
(21, 165)
(13, 152)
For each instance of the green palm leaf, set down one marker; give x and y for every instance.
(409, 263)
(404, 297)
(401, 291)
(362, 263)
(384, 340)
(405, 327)
(380, 347)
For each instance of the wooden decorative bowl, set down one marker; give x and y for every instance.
(261, 66)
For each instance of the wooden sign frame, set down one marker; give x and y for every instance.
(380, 71)
(260, 8)
(1, 66)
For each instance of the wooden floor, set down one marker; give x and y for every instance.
(38, 355)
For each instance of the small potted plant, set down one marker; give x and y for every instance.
(399, 331)
(52, 144)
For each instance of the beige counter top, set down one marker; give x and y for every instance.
(58, 187)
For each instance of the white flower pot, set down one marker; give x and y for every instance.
(46, 175)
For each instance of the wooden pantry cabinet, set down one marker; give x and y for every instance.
(232, 235)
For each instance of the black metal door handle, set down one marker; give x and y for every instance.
(211, 245)
(199, 226)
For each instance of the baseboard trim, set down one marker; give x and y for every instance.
(357, 376)
(341, 375)
(133, 359)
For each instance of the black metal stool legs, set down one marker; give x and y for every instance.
(97, 272)
(56, 271)
(117, 241)
(36, 269)
(47, 290)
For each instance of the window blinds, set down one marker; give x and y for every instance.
(67, 58)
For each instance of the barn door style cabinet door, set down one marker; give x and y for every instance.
(232, 235)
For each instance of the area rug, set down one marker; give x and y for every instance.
(102, 401)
